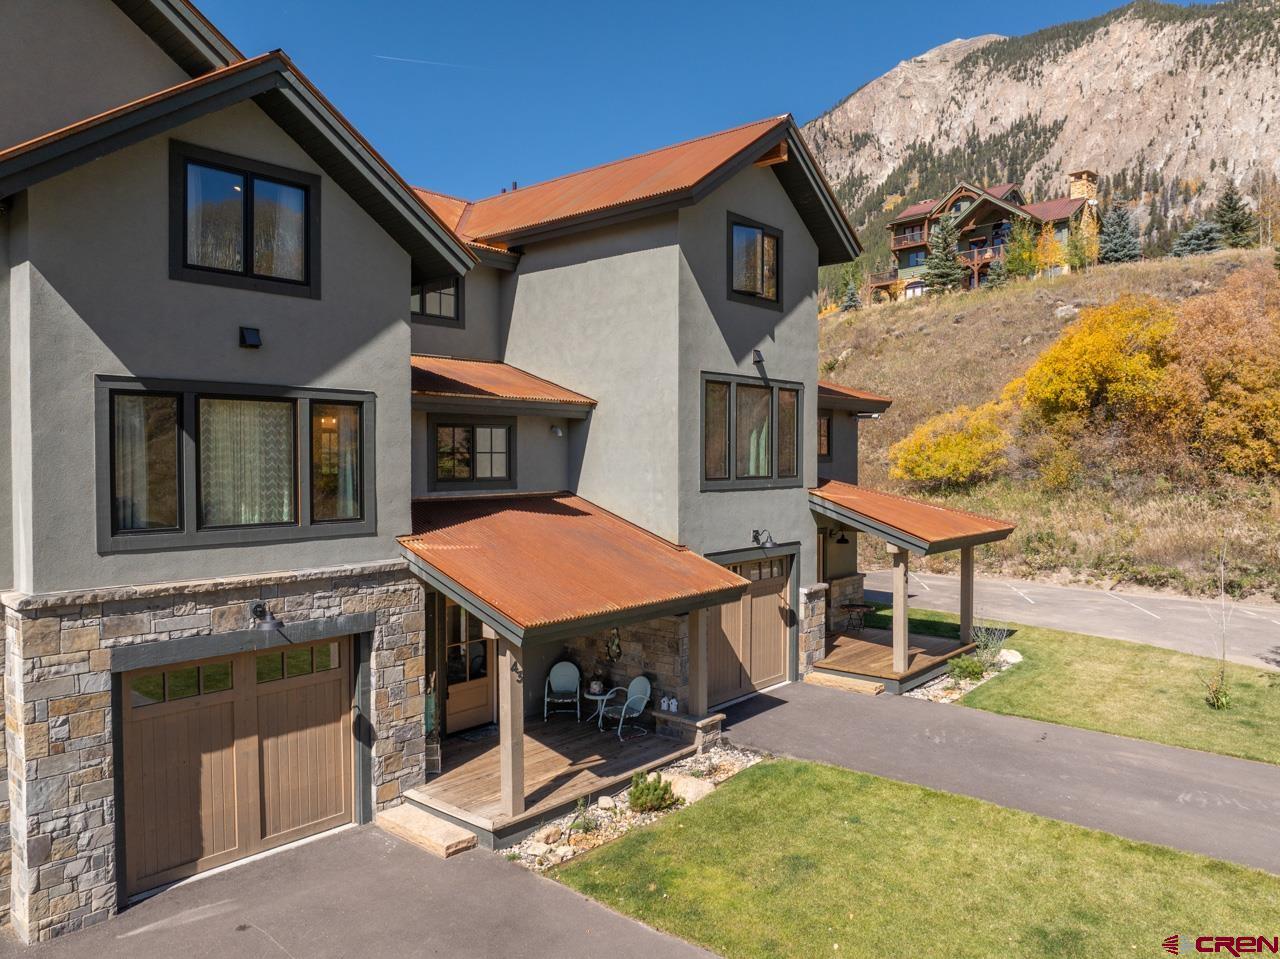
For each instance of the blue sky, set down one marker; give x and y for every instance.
(466, 97)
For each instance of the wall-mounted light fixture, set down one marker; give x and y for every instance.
(557, 430)
(757, 357)
(763, 538)
(266, 620)
(250, 338)
(842, 539)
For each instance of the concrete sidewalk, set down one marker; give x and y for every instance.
(1214, 805)
(1172, 622)
(360, 893)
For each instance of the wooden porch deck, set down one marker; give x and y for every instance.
(869, 653)
(564, 760)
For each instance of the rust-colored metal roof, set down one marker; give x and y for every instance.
(636, 179)
(1056, 209)
(835, 391)
(1001, 190)
(915, 211)
(448, 209)
(912, 524)
(448, 376)
(547, 560)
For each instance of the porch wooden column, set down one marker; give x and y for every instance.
(966, 594)
(511, 726)
(698, 662)
(900, 570)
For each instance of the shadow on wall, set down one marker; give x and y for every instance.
(744, 326)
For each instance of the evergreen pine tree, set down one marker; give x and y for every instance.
(1203, 237)
(852, 298)
(1276, 261)
(943, 271)
(1234, 219)
(998, 275)
(1118, 239)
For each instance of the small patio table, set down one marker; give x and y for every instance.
(599, 699)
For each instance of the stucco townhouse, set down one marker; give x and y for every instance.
(313, 476)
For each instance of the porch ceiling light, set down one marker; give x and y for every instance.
(763, 538)
(842, 540)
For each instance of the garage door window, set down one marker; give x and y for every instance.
(171, 685)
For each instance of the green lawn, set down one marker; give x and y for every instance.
(1126, 688)
(798, 859)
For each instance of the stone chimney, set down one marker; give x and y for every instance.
(1083, 185)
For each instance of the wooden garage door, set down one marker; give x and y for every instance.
(747, 639)
(229, 756)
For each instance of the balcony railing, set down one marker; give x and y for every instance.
(902, 240)
(985, 254)
(885, 276)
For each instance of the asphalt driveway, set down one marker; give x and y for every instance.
(361, 893)
(1173, 622)
(1215, 805)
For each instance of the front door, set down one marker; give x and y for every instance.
(469, 696)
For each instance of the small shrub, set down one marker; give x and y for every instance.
(953, 449)
(650, 793)
(989, 638)
(965, 668)
(1218, 690)
(583, 821)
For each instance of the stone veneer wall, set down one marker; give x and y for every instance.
(58, 730)
(658, 648)
(813, 626)
(843, 589)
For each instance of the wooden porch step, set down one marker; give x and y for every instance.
(847, 683)
(414, 824)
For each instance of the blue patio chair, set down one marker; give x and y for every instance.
(636, 698)
(562, 690)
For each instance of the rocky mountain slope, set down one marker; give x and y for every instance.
(1164, 101)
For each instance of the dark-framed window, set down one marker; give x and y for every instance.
(824, 434)
(190, 464)
(914, 258)
(754, 262)
(438, 302)
(471, 452)
(235, 221)
(751, 432)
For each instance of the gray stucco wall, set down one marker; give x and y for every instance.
(102, 303)
(542, 458)
(718, 335)
(480, 337)
(843, 464)
(65, 60)
(598, 313)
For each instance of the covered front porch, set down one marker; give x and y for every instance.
(895, 657)
(531, 581)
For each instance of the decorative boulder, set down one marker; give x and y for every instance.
(689, 789)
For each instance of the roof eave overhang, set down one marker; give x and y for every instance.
(852, 404)
(296, 107)
(182, 33)
(522, 635)
(501, 406)
(899, 537)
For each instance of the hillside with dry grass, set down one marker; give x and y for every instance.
(1126, 517)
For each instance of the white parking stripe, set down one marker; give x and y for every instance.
(1134, 605)
(1247, 613)
(1021, 593)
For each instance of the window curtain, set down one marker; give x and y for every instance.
(246, 462)
(754, 452)
(144, 453)
(335, 461)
